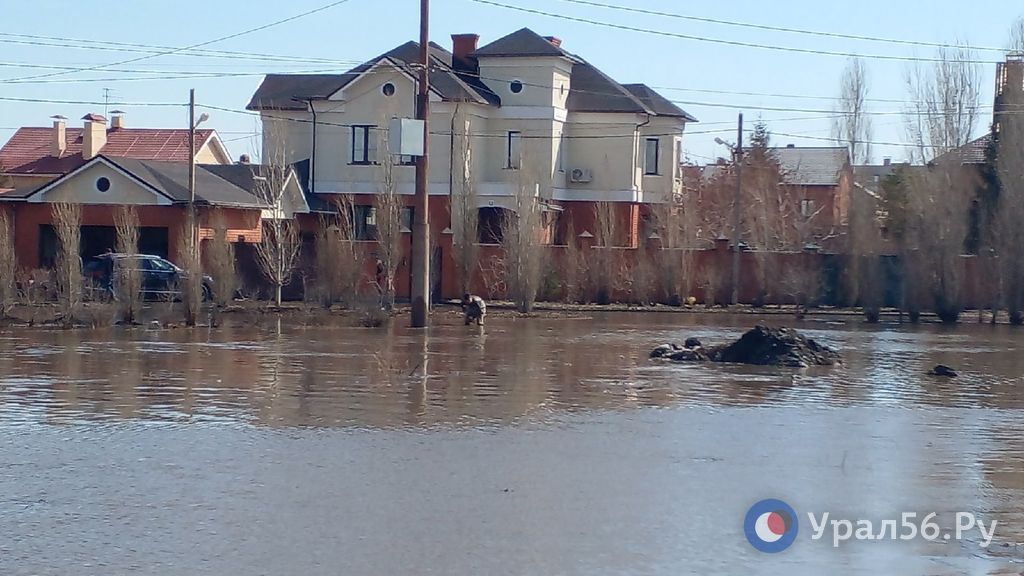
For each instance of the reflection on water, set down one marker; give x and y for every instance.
(545, 446)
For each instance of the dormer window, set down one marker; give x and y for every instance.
(516, 86)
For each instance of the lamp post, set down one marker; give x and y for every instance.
(737, 154)
(193, 221)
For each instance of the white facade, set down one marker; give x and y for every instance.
(531, 140)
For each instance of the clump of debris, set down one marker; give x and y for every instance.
(761, 346)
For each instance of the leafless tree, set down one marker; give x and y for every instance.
(676, 220)
(464, 213)
(521, 240)
(1010, 215)
(277, 252)
(67, 223)
(605, 261)
(864, 251)
(942, 114)
(852, 126)
(1017, 35)
(127, 277)
(573, 265)
(189, 260)
(8, 265)
(388, 205)
(220, 260)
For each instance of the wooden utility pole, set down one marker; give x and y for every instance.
(736, 222)
(421, 225)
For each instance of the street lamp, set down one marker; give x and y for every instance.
(737, 154)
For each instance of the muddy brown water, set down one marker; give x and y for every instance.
(541, 446)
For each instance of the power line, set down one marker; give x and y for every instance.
(779, 28)
(106, 45)
(715, 40)
(199, 45)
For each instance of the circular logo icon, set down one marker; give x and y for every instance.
(771, 525)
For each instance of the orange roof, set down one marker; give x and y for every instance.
(28, 151)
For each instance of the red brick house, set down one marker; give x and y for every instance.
(103, 169)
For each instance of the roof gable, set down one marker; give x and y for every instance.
(28, 151)
(523, 43)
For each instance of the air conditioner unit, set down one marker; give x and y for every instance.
(580, 175)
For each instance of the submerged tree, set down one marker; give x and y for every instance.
(852, 126)
(67, 223)
(277, 252)
(128, 286)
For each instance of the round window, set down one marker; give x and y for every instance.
(102, 184)
(516, 87)
(388, 89)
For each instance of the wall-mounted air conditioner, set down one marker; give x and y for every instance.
(580, 175)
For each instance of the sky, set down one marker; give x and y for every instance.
(70, 57)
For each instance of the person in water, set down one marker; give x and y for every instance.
(474, 308)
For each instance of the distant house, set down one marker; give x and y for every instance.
(817, 182)
(104, 169)
(520, 111)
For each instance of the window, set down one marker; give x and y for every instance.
(561, 153)
(388, 89)
(364, 222)
(516, 86)
(512, 149)
(103, 184)
(806, 208)
(651, 150)
(407, 218)
(364, 146)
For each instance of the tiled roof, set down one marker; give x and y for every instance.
(656, 102)
(799, 166)
(867, 175)
(590, 89)
(171, 178)
(523, 42)
(287, 91)
(28, 151)
(811, 166)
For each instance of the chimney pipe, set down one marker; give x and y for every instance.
(94, 135)
(462, 46)
(59, 139)
(116, 119)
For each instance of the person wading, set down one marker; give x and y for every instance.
(474, 308)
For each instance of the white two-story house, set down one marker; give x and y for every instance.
(518, 112)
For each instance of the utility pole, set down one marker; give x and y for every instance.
(736, 233)
(421, 225)
(192, 224)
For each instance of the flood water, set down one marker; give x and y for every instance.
(540, 446)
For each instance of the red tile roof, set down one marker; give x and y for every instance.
(28, 151)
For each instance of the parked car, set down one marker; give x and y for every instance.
(160, 278)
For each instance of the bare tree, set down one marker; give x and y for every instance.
(463, 210)
(521, 239)
(128, 278)
(277, 252)
(852, 126)
(1017, 35)
(573, 266)
(1009, 152)
(189, 260)
(8, 265)
(67, 223)
(220, 261)
(864, 241)
(387, 212)
(943, 103)
(604, 256)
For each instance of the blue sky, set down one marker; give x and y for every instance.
(695, 73)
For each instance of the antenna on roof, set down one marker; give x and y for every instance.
(106, 100)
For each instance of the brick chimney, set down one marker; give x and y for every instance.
(94, 135)
(462, 46)
(59, 138)
(555, 41)
(116, 119)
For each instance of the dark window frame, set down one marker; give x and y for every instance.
(518, 137)
(364, 131)
(647, 157)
